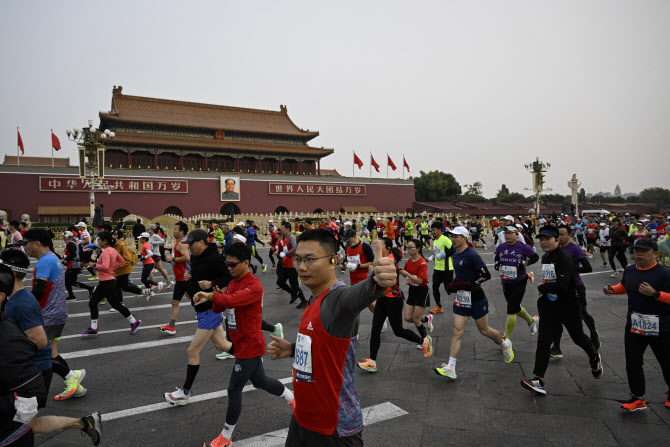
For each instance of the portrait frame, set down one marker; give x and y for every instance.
(230, 196)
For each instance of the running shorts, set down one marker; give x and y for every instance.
(54, 332)
(86, 256)
(156, 258)
(418, 296)
(179, 290)
(591, 240)
(209, 319)
(604, 248)
(478, 310)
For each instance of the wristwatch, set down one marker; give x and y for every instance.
(656, 295)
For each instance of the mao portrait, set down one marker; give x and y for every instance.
(230, 188)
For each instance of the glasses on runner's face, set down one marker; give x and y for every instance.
(308, 261)
(409, 247)
(232, 265)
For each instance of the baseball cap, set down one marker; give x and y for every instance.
(67, 234)
(152, 226)
(347, 223)
(81, 224)
(462, 231)
(239, 237)
(240, 224)
(508, 217)
(549, 230)
(511, 228)
(494, 218)
(270, 221)
(348, 234)
(379, 218)
(338, 221)
(195, 236)
(603, 224)
(646, 243)
(145, 234)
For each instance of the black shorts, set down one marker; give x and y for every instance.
(179, 290)
(86, 256)
(54, 332)
(475, 236)
(591, 240)
(604, 248)
(299, 436)
(514, 292)
(418, 296)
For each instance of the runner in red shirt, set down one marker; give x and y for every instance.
(180, 259)
(242, 302)
(380, 227)
(327, 409)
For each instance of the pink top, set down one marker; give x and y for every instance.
(108, 261)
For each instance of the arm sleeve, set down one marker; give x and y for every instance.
(619, 289)
(584, 266)
(482, 275)
(665, 297)
(369, 254)
(293, 243)
(533, 259)
(72, 249)
(38, 288)
(356, 298)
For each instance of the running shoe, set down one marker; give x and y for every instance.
(178, 397)
(103, 301)
(134, 326)
(667, 400)
(160, 286)
(71, 385)
(147, 293)
(93, 278)
(535, 385)
(427, 347)
(429, 323)
(508, 352)
(219, 441)
(604, 264)
(89, 331)
(419, 347)
(384, 326)
(634, 404)
(621, 269)
(436, 310)
(81, 392)
(225, 356)
(556, 353)
(265, 268)
(532, 328)
(279, 330)
(170, 284)
(368, 366)
(171, 330)
(590, 256)
(254, 268)
(92, 427)
(71, 298)
(446, 371)
(273, 267)
(531, 277)
(614, 275)
(597, 368)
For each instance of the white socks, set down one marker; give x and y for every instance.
(130, 319)
(70, 374)
(504, 344)
(227, 431)
(94, 324)
(452, 363)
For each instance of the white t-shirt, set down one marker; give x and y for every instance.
(604, 233)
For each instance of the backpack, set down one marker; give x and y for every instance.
(133, 256)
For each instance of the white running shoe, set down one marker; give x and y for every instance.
(614, 275)
(508, 352)
(177, 397)
(160, 286)
(429, 323)
(621, 269)
(446, 371)
(532, 329)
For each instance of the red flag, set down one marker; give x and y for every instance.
(404, 163)
(20, 140)
(358, 161)
(54, 141)
(374, 163)
(390, 163)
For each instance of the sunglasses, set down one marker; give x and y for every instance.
(232, 265)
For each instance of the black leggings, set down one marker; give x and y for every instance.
(635, 345)
(123, 285)
(243, 371)
(146, 271)
(588, 319)
(514, 293)
(552, 316)
(391, 308)
(620, 254)
(106, 289)
(441, 277)
(256, 255)
(290, 275)
(272, 257)
(71, 280)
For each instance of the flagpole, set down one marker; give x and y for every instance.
(403, 166)
(52, 149)
(370, 164)
(387, 165)
(18, 157)
(353, 171)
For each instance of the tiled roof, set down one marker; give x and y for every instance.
(221, 145)
(138, 109)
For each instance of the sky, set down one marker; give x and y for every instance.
(473, 88)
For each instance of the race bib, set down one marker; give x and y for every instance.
(302, 362)
(508, 272)
(463, 299)
(354, 259)
(437, 250)
(646, 325)
(548, 273)
(285, 250)
(230, 317)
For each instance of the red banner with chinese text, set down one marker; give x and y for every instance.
(75, 184)
(322, 189)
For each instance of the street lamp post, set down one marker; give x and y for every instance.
(90, 142)
(538, 169)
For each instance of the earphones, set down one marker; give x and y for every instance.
(332, 260)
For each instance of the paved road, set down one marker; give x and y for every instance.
(408, 404)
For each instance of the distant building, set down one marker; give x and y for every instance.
(617, 191)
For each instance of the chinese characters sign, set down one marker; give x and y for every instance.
(75, 184)
(318, 189)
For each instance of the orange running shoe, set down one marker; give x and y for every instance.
(427, 347)
(168, 329)
(368, 365)
(634, 404)
(219, 441)
(530, 277)
(436, 310)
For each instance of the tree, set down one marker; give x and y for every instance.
(436, 186)
(513, 197)
(555, 198)
(582, 196)
(659, 196)
(503, 190)
(474, 189)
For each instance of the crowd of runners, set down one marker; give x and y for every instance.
(217, 268)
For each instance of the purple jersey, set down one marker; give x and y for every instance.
(510, 257)
(577, 254)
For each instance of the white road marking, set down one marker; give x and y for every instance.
(371, 415)
(123, 348)
(131, 309)
(126, 329)
(165, 406)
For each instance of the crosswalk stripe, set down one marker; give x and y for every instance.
(131, 309)
(165, 406)
(126, 329)
(124, 348)
(371, 415)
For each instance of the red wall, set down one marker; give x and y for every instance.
(19, 194)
